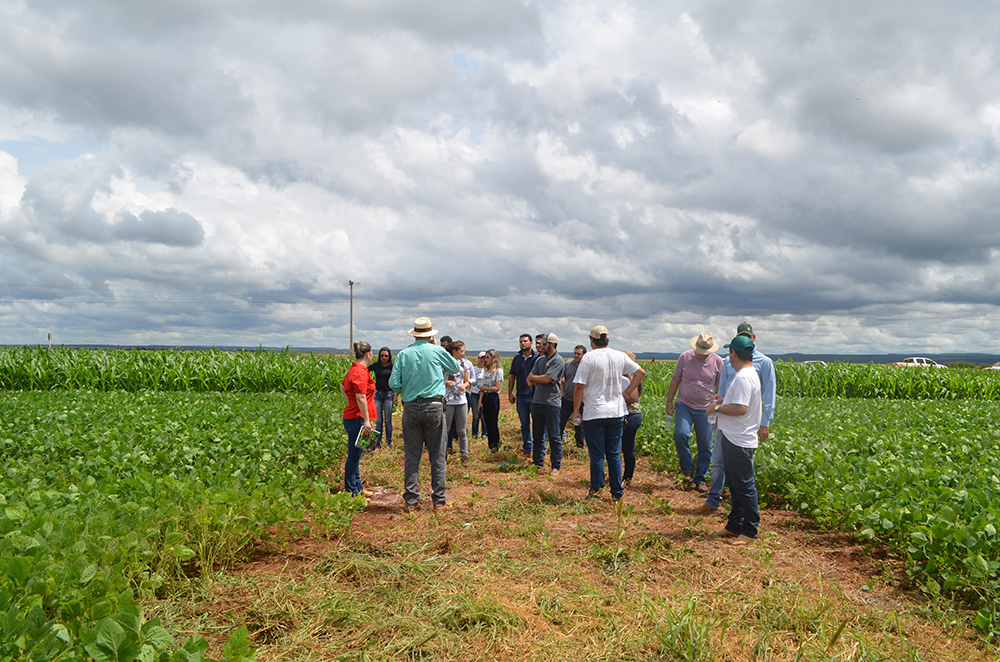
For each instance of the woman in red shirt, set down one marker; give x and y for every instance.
(359, 390)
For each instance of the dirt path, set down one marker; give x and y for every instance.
(517, 542)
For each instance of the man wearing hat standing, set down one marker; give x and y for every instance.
(694, 382)
(418, 376)
(599, 388)
(768, 392)
(739, 421)
(546, 403)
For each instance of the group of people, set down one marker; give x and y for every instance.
(597, 389)
(740, 392)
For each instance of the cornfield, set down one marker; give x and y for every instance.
(39, 369)
(848, 380)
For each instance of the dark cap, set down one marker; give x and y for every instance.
(745, 329)
(741, 344)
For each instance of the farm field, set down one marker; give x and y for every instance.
(195, 522)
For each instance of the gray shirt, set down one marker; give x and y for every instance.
(552, 367)
(569, 387)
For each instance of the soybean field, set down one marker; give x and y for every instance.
(128, 475)
(116, 490)
(906, 458)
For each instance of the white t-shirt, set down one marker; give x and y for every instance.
(456, 395)
(743, 390)
(600, 371)
(491, 379)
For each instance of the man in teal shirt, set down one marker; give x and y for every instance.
(418, 377)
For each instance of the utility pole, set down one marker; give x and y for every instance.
(351, 284)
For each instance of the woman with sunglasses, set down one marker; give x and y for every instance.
(385, 399)
(490, 385)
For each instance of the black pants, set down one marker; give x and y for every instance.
(491, 419)
(567, 413)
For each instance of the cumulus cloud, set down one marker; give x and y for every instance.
(502, 166)
(169, 227)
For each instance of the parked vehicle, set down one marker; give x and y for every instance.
(918, 362)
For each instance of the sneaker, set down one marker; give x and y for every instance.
(465, 461)
(705, 509)
(555, 473)
(627, 482)
(688, 481)
(740, 541)
(594, 494)
(411, 509)
(701, 487)
(443, 506)
(368, 494)
(725, 533)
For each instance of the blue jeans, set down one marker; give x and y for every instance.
(714, 498)
(632, 423)
(744, 518)
(524, 415)
(352, 466)
(545, 420)
(383, 407)
(604, 440)
(684, 418)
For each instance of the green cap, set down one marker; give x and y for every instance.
(741, 344)
(744, 329)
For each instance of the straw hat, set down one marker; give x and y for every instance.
(704, 344)
(422, 328)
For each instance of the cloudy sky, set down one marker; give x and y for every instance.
(190, 172)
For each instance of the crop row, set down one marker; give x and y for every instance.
(847, 380)
(860, 380)
(107, 495)
(40, 369)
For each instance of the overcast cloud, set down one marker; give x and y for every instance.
(211, 173)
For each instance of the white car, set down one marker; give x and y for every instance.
(995, 366)
(919, 362)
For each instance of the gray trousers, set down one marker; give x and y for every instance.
(459, 414)
(423, 425)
